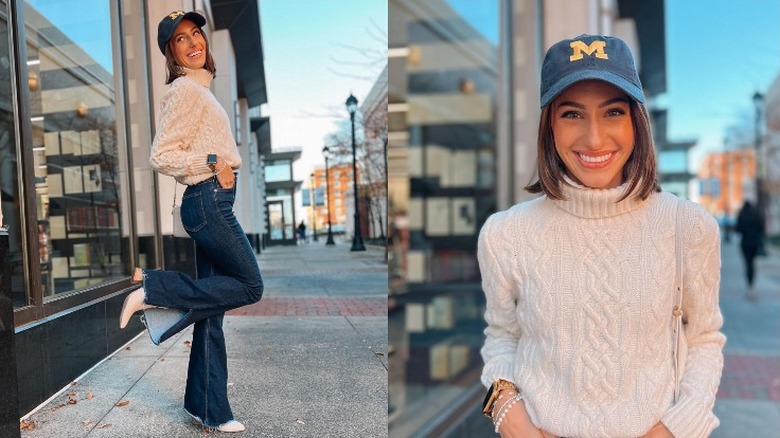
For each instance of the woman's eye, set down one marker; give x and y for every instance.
(615, 112)
(570, 115)
(197, 32)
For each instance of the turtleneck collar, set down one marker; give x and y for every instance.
(595, 203)
(201, 76)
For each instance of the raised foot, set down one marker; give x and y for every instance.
(133, 303)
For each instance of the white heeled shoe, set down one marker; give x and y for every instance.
(133, 303)
(231, 426)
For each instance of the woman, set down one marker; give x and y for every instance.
(580, 282)
(193, 126)
(751, 228)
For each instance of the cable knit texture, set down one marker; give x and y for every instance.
(192, 125)
(579, 309)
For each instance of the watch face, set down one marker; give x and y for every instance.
(490, 397)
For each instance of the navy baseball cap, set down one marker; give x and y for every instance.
(585, 57)
(168, 24)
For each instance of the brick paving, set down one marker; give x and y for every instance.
(750, 378)
(748, 401)
(315, 306)
(319, 272)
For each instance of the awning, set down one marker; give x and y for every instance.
(242, 19)
(650, 26)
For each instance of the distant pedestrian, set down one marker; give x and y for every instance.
(194, 144)
(302, 232)
(580, 282)
(750, 226)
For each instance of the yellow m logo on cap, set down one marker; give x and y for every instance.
(596, 46)
(175, 14)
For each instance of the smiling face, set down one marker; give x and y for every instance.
(188, 45)
(593, 133)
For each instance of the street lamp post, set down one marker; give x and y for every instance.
(326, 152)
(758, 101)
(387, 195)
(357, 239)
(313, 208)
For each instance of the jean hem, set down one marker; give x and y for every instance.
(202, 424)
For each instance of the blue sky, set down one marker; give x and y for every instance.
(719, 53)
(90, 27)
(312, 64)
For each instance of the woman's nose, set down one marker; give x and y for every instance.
(594, 135)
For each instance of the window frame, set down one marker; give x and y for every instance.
(37, 308)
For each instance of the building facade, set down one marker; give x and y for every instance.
(337, 195)
(770, 152)
(727, 179)
(373, 181)
(280, 195)
(81, 204)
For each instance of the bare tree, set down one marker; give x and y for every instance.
(371, 159)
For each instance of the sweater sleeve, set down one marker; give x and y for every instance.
(692, 415)
(180, 122)
(503, 330)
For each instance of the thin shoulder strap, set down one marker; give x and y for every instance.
(677, 313)
(175, 186)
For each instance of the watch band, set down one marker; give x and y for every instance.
(492, 395)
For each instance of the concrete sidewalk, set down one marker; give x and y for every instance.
(748, 403)
(310, 359)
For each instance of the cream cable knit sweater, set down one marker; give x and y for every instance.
(579, 308)
(192, 125)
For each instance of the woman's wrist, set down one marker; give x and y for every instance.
(493, 393)
(505, 407)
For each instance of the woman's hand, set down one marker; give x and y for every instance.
(517, 423)
(225, 174)
(658, 431)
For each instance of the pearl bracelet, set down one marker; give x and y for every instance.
(504, 409)
(493, 412)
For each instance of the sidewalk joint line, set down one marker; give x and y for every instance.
(133, 385)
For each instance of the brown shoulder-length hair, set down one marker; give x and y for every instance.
(639, 170)
(175, 71)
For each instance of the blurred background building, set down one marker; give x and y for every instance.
(339, 180)
(770, 156)
(726, 180)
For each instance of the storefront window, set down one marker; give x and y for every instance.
(673, 161)
(444, 80)
(278, 170)
(280, 214)
(78, 160)
(9, 167)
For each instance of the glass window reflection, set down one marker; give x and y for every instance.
(10, 160)
(79, 169)
(441, 157)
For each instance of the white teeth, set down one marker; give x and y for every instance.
(192, 55)
(599, 159)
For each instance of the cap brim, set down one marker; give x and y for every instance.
(195, 17)
(561, 84)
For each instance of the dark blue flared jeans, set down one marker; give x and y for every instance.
(228, 277)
